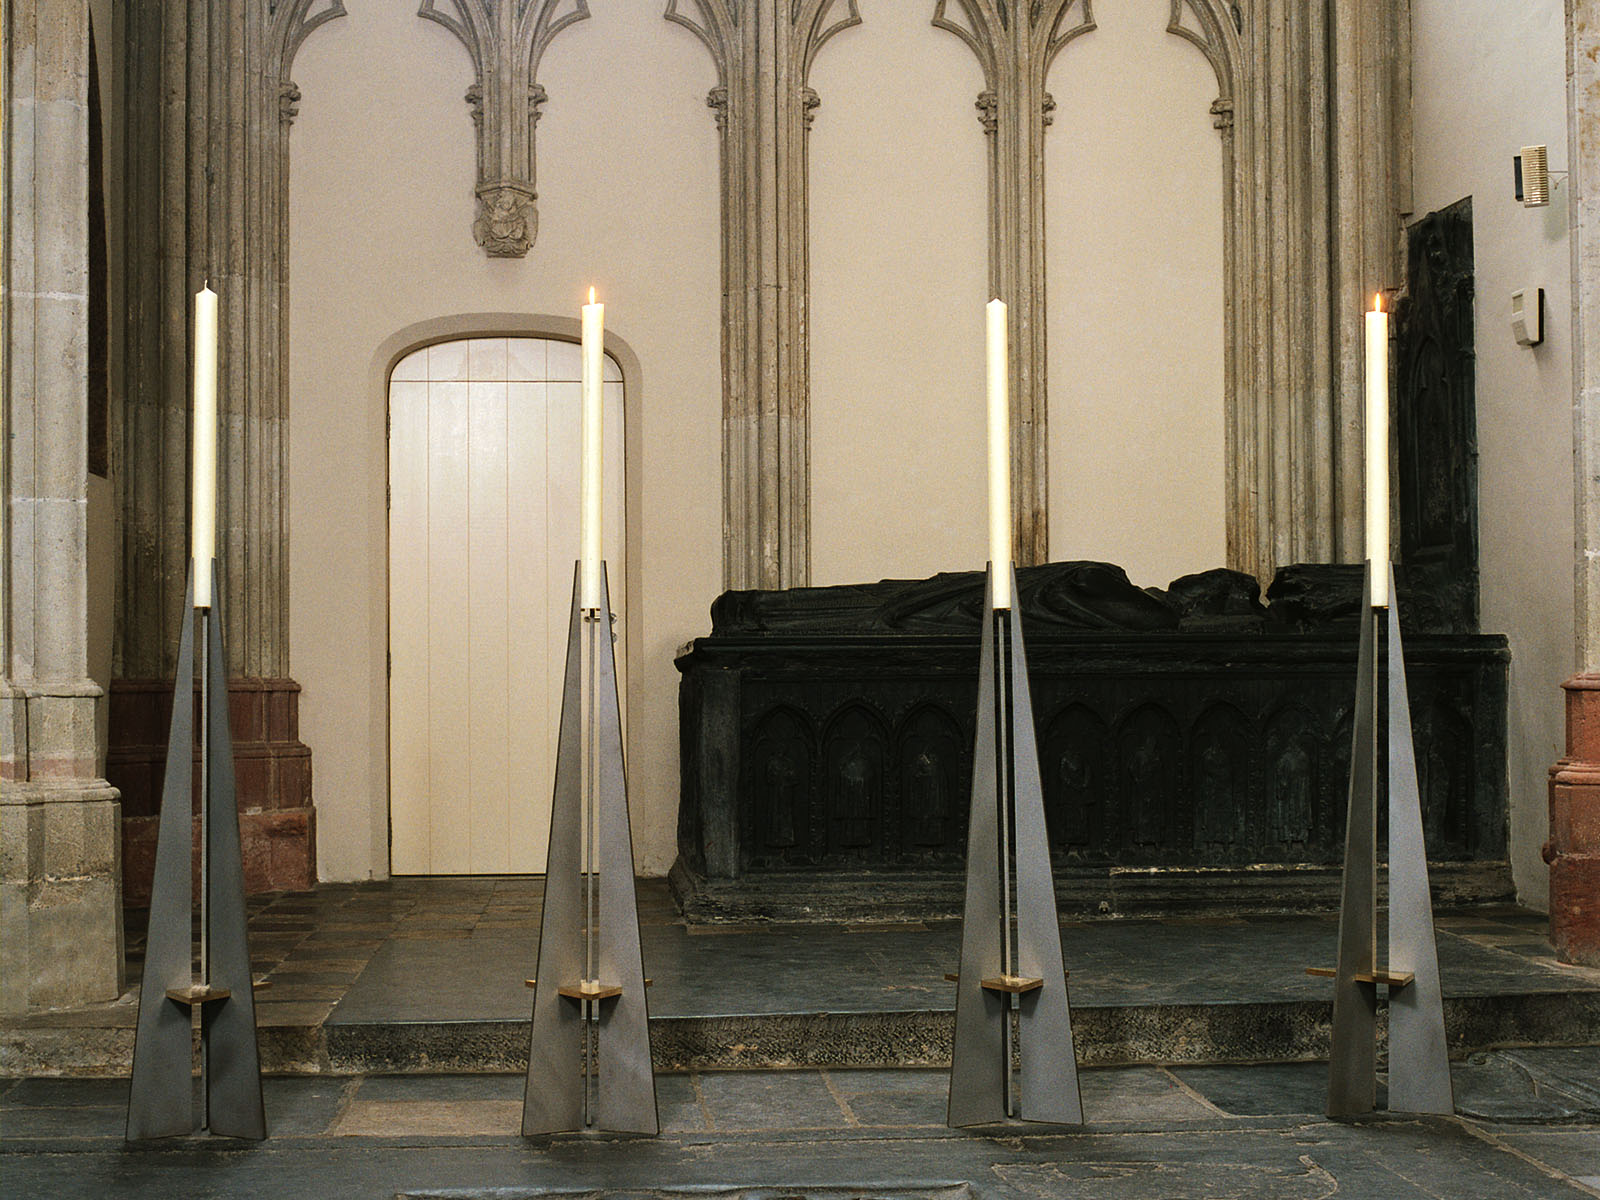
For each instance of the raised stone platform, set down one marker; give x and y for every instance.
(428, 976)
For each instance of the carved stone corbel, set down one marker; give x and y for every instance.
(506, 39)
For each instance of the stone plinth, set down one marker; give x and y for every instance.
(1573, 850)
(277, 824)
(60, 907)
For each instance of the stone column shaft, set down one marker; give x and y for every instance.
(1573, 848)
(763, 50)
(60, 899)
(207, 203)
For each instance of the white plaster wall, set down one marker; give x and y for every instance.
(1488, 78)
(899, 278)
(382, 171)
(1134, 274)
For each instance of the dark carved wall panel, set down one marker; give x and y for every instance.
(1436, 418)
(1173, 730)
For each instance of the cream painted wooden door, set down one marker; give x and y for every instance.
(483, 531)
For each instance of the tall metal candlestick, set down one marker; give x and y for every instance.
(999, 453)
(589, 520)
(203, 524)
(1378, 451)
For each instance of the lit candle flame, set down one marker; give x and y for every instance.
(1377, 301)
(591, 295)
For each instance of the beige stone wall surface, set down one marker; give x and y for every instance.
(1488, 78)
(381, 195)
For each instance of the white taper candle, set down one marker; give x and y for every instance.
(203, 514)
(1378, 451)
(999, 454)
(594, 316)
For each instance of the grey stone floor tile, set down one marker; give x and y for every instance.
(441, 1087)
(1572, 1151)
(78, 1121)
(679, 1106)
(304, 1107)
(770, 1100)
(1268, 1089)
(67, 1093)
(1137, 1094)
(852, 1080)
(1499, 1087)
(899, 1109)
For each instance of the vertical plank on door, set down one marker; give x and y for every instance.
(563, 441)
(484, 466)
(612, 533)
(531, 768)
(408, 624)
(486, 615)
(449, 797)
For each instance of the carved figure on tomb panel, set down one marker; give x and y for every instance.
(1215, 797)
(1291, 796)
(1444, 778)
(1220, 785)
(929, 753)
(1336, 808)
(853, 801)
(855, 748)
(780, 781)
(1149, 748)
(1292, 830)
(928, 800)
(1073, 762)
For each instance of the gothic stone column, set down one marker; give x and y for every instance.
(60, 871)
(1573, 850)
(209, 202)
(763, 51)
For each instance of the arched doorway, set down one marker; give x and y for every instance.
(483, 533)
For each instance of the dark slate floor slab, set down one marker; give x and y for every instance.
(1267, 1089)
(899, 1154)
(428, 975)
(745, 1101)
(836, 969)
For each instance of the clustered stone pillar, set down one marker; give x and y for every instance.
(208, 176)
(60, 901)
(1573, 848)
(763, 50)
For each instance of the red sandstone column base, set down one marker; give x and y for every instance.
(1573, 850)
(272, 767)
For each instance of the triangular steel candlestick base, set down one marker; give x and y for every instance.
(556, 1098)
(160, 1100)
(980, 1064)
(1419, 1063)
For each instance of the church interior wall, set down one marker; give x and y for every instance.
(627, 177)
(899, 275)
(381, 182)
(382, 166)
(1134, 271)
(1488, 79)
